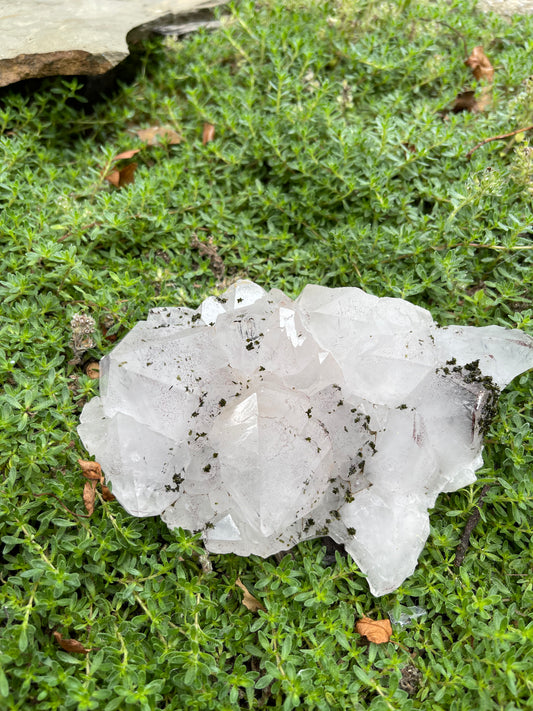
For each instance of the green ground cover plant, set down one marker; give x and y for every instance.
(336, 159)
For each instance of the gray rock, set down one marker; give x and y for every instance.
(507, 7)
(60, 37)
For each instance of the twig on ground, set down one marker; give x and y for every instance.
(497, 138)
(470, 525)
(49, 493)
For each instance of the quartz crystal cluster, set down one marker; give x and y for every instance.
(263, 421)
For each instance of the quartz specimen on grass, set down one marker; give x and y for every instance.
(264, 421)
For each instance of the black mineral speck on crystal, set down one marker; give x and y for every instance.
(177, 480)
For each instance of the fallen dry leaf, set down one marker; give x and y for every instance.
(248, 600)
(70, 645)
(159, 134)
(481, 69)
(91, 470)
(208, 133)
(89, 496)
(106, 494)
(125, 175)
(480, 65)
(464, 101)
(126, 155)
(122, 177)
(484, 100)
(92, 370)
(378, 631)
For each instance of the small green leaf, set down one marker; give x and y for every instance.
(23, 639)
(4, 684)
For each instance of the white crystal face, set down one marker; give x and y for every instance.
(263, 421)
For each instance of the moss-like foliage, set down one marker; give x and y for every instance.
(336, 159)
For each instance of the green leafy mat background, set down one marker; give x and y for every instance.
(336, 159)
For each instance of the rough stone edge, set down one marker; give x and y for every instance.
(81, 62)
(30, 66)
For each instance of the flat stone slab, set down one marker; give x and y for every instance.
(66, 37)
(507, 7)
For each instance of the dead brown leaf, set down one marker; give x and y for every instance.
(468, 101)
(248, 600)
(484, 100)
(92, 370)
(208, 133)
(126, 155)
(378, 631)
(123, 176)
(480, 65)
(106, 494)
(159, 134)
(91, 470)
(89, 496)
(464, 101)
(70, 645)
(482, 69)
